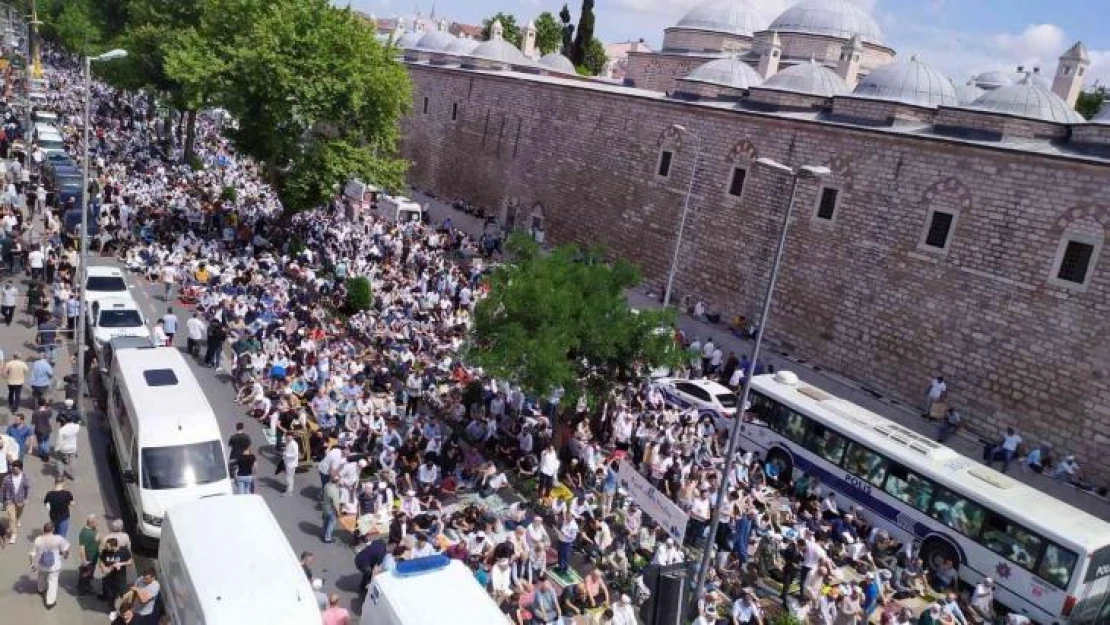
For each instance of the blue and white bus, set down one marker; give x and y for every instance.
(1049, 560)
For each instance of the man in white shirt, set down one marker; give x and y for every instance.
(169, 276)
(623, 612)
(549, 468)
(46, 561)
(1007, 451)
(935, 392)
(290, 457)
(66, 448)
(36, 260)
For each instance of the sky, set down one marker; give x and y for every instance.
(958, 37)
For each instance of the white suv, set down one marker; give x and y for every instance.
(112, 317)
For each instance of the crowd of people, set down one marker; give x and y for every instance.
(417, 453)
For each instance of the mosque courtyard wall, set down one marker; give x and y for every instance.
(860, 293)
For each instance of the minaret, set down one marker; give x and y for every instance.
(769, 55)
(496, 31)
(848, 65)
(530, 40)
(1071, 72)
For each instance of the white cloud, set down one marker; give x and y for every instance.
(1036, 41)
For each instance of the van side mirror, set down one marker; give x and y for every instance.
(129, 476)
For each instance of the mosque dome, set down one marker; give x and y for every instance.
(992, 80)
(968, 93)
(833, 18)
(500, 51)
(409, 41)
(436, 41)
(727, 72)
(735, 17)
(810, 78)
(557, 62)
(462, 47)
(910, 82)
(1028, 99)
(1037, 77)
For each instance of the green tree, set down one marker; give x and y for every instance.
(568, 31)
(76, 26)
(584, 34)
(561, 320)
(549, 33)
(594, 59)
(359, 295)
(510, 30)
(316, 98)
(1090, 102)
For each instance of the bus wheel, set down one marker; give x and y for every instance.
(934, 551)
(782, 459)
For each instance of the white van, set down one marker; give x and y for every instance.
(225, 561)
(401, 209)
(166, 441)
(401, 596)
(112, 317)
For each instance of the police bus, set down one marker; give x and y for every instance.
(1050, 561)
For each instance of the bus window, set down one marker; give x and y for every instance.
(1057, 565)
(794, 426)
(956, 512)
(1011, 541)
(866, 464)
(909, 487)
(826, 443)
(767, 410)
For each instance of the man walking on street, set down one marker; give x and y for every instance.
(21, 433)
(58, 505)
(65, 449)
(237, 444)
(290, 457)
(41, 424)
(216, 338)
(196, 330)
(169, 325)
(14, 491)
(16, 373)
(332, 502)
(8, 298)
(88, 544)
(42, 374)
(46, 560)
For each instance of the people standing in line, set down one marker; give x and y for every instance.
(59, 505)
(14, 492)
(196, 331)
(9, 296)
(42, 375)
(47, 554)
(169, 325)
(15, 370)
(88, 549)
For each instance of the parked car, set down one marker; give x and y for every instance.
(707, 396)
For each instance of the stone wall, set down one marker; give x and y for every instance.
(858, 294)
(657, 71)
(884, 112)
(801, 47)
(1001, 125)
(684, 40)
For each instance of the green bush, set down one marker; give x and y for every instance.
(195, 163)
(229, 194)
(359, 297)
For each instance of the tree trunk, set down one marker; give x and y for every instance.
(181, 128)
(190, 134)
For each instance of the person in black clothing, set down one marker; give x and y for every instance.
(216, 337)
(792, 559)
(370, 557)
(114, 560)
(237, 444)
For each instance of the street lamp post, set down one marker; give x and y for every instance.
(685, 213)
(804, 171)
(84, 253)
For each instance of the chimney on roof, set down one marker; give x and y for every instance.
(1021, 68)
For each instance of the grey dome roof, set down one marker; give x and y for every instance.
(1028, 99)
(833, 18)
(557, 62)
(1036, 77)
(810, 78)
(735, 17)
(436, 41)
(500, 51)
(727, 72)
(462, 47)
(993, 80)
(910, 82)
(968, 93)
(408, 41)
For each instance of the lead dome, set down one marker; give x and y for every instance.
(500, 51)
(436, 41)
(726, 72)
(735, 17)
(833, 18)
(1028, 99)
(911, 82)
(810, 78)
(557, 62)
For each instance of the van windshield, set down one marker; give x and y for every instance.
(182, 466)
(120, 319)
(104, 283)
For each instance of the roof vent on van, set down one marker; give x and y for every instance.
(786, 377)
(160, 377)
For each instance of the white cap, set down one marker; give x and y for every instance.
(317, 583)
(69, 403)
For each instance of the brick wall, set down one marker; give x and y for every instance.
(658, 71)
(858, 294)
(700, 41)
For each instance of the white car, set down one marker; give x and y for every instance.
(101, 282)
(705, 395)
(113, 317)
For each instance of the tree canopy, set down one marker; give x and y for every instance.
(510, 30)
(1091, 102)
(549, 33)
(593, 62)
(561, 320)
(584, 34)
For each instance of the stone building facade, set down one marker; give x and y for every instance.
(927, 251)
